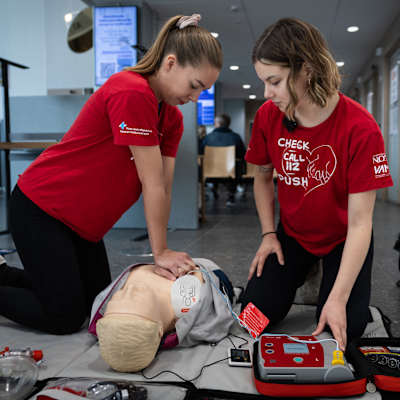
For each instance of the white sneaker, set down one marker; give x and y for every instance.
(2, 260)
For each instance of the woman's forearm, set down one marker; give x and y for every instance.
(156, 208)
(358, 240)
(355, 250)
(265, 201)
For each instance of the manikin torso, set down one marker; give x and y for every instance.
(148, 295)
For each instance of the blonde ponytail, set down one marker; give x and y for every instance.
(191, 44)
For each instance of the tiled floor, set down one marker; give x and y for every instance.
(230, 237)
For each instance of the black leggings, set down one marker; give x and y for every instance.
(274, 291)
(62, 273)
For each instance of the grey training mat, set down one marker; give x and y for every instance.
(77, 355)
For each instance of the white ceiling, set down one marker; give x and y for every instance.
(240, 22)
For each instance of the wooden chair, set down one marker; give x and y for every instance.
(218, 162)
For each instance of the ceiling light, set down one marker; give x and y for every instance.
(215, 34)
(246, 86)
(68, 17)
(353, 29)
(340, 63)
(252, 96)
(234, 67)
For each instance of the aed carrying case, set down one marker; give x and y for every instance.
(375, 365)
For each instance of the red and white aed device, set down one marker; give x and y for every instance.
(283, 360)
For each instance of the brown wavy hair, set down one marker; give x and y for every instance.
(290, 43)
(191, 45)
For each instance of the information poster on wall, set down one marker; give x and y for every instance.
(115, 32)
(206, 107)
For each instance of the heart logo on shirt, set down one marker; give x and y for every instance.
(314, 168)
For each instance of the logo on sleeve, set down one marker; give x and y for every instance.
(381, 167)
(126, 130)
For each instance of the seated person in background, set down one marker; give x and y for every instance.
(140, 312)
(222, 135)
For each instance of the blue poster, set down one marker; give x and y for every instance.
(115, 32)
(206, 107)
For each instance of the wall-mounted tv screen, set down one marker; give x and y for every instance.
(115, 32)
(206, 107)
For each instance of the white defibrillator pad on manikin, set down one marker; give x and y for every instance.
(185, 293)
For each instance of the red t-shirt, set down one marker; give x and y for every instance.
(89, 180)
(318, 167)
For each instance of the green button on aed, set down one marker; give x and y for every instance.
(298, 360)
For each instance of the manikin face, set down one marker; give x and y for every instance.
(179, 85)
(275, 79)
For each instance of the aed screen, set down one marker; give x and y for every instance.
(240, 355)
(295, 348)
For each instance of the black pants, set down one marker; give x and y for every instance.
(274, 291)
(62, 273)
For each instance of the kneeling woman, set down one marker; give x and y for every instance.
(329, 156)
(122, 144)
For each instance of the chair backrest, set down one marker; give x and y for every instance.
(219, 162)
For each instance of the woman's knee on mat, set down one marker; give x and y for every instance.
(65, 316)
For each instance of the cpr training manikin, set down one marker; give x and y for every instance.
(141, 312)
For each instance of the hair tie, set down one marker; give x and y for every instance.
(185, 21)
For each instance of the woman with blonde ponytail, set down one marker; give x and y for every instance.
(329, 157)
(123, 144)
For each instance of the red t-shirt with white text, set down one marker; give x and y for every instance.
(89, 180)
(319, 167)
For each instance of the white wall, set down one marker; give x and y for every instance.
(65, 69)
(22, 32)
(33, 33)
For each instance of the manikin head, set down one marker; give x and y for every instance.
(140, 313)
